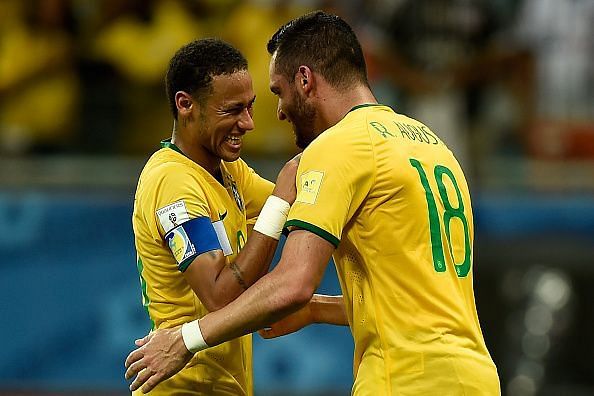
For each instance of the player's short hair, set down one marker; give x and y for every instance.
(194, 65)
(323, 42)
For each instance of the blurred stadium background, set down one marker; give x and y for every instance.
(509, 85)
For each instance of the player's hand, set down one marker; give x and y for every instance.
(285, 182)
(159, 355)
(289, 324)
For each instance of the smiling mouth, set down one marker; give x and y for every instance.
(235, 140)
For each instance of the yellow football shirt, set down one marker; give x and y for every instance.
(173, 189)
(396, 205)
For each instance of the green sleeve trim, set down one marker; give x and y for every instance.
(315, 229)
(183, 266)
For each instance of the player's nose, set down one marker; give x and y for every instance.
(246, 122)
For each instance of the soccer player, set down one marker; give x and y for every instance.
(192, 202)
(383, 194)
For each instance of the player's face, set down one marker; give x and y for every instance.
(226, 116)
(293, 107)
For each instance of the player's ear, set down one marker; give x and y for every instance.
(305, 79)
(184, 102)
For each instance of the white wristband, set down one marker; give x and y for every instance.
(192, 336)
(273, 216)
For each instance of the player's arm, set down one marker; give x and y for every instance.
(216, 283)
(320, 309)
(287, 288)
(328, 309)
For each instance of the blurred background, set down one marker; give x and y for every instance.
(508, 84)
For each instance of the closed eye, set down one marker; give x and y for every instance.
(238, 108)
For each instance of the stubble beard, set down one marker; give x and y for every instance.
(303, 122)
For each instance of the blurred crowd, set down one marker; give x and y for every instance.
(493, 78)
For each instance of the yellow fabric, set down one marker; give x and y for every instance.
(169, 177)
(414, 324)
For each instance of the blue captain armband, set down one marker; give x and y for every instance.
(190, 239)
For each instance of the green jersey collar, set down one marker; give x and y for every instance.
(365, 105)
(168, 144)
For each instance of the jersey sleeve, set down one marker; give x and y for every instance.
(256, 190)
(333, 178)
(178, 198)
(182, 215)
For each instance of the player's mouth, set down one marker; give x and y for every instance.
(234, 141)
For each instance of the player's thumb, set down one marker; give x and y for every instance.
(141, 341)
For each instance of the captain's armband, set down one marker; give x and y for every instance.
(190, 239)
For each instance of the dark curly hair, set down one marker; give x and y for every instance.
(325, 43)
(195, 64)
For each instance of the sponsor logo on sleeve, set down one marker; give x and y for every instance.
(309, 183)
(173, 215)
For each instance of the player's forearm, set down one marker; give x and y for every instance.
(268, 300)
(252, 262)
(249, 266)
(254, 259)
(328, 309)
(284, 290)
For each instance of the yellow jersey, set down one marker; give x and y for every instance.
(396, 205)
(173, 189)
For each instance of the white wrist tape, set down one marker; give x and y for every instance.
(192, 336)
(273, 216)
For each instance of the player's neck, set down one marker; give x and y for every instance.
(196, 153)
(338, 104)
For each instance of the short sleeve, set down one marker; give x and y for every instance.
(178, 198)
(333, 178)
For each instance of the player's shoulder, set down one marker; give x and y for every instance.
(361, 121)
(168, 166)
(350, 133)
